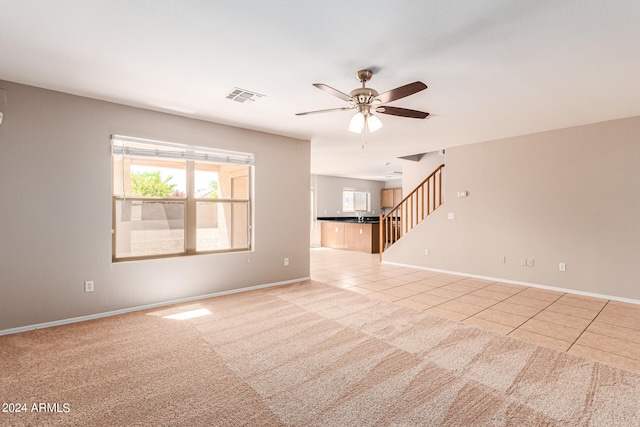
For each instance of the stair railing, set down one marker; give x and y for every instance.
(415, 207)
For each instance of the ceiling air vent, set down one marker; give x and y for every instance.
(394, 174)
(242, 95)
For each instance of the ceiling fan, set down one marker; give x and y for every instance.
(367, 100)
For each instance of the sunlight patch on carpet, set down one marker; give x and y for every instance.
(185, 312)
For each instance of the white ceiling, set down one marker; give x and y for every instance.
(494, 68)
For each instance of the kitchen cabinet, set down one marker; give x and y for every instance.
(389, 197)
(397, 196)
(332, 234)
(362, 237)
(386, 198)
(350, 235)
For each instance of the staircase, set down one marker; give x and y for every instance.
(416, 206)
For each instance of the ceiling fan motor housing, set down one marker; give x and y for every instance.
(364, 95)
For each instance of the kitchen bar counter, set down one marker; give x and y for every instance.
(350, 234)
(365, 220)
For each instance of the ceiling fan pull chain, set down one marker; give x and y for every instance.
(365, 132)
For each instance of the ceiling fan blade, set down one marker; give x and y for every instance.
(401, 92)
(402, 112)
(325, 111)
(334, 92)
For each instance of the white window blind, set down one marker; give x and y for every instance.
(137, 147)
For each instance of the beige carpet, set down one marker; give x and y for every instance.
(302, 355)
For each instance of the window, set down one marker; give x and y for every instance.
(171, 199)
(355, 199)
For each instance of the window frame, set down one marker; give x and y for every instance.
(190, 203)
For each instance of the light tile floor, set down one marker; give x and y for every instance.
(600, 329)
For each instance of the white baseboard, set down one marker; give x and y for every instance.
(516, 282)
(142, 307)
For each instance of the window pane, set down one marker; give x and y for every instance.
(207, 181)
(234, 182)
(149, 177)
(347, 201)
(361, 200)
(222, 225)
(148, 228)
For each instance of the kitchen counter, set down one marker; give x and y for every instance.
(365, 220)
(350, 234)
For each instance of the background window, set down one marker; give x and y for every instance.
(354, 199)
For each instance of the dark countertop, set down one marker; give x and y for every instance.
(365, 220)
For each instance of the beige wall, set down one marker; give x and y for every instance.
(55, 215)
(571, 195)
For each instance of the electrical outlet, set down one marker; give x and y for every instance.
(562, 266)
(286, 262)
(88, 286)
(530, 262)
(427, 252)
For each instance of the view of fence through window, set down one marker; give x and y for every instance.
(167, 207)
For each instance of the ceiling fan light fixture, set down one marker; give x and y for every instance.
(373, 123)
(357, 123)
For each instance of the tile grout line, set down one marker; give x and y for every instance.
(587, 327)
(547, 306)
(484, 309)
(512, 295)
(438, 287)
